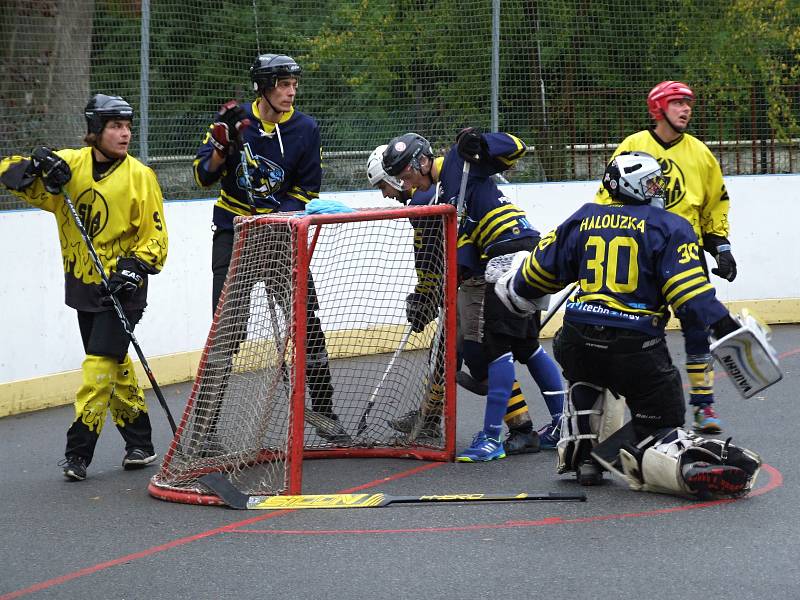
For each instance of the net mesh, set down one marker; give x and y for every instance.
(372, 387)
(568, 76)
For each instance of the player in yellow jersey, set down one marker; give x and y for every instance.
(121, 207)
(694, 190)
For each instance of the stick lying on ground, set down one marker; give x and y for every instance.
(220, 485)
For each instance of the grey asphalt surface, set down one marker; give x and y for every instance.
(107, 538)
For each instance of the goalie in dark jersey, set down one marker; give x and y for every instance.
(284, 173)
(489, 226)
(632, 259)
(695, 190)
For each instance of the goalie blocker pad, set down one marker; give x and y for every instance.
(680, 463)
(501, 270)
(748, 357)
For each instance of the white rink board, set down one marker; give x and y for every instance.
(39, 334)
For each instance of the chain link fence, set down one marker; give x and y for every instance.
(570, 77)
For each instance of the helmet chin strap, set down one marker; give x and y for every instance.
(429, 174)
(672, 126)
(272, 106)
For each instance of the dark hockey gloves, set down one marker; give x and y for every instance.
(726, 265)
(420, 310)
(127, 278)
(231, 119)
(720, 248)
(53, 170)
(471, 146)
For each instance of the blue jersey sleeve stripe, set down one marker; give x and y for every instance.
(532, 266)
(497, 221)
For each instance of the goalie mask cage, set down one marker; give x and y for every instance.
(310, 354)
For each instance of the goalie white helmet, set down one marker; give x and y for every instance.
(634, 178)
(376, 173)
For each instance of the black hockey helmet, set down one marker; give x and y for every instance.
(405, 150)
(268, 68)
(634, 178)
(101, 109)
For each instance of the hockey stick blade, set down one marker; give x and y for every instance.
(234, 498)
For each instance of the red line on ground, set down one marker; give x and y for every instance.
(49, 583)
(775, 481)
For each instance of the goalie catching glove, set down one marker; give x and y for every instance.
(231, 119)
(501, 271)
(420, 310)
(53, 170)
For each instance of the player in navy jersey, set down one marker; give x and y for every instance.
(633, 260)
(490, 225)
(420, 311)
(282, 151)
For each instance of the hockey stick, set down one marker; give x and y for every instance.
(425, 407)
(462, 191)
(126, 325)
(234, 498)
(362, 424)
(551, 313)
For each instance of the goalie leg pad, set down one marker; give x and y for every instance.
(748, 357)
(685, 464)
(591, 415)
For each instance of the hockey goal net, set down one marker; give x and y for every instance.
(310, 353)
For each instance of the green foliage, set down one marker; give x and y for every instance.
(573, 74)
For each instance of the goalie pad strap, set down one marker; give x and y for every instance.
(606, 416)
(660, 466)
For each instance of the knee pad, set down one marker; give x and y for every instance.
(605, 414)
(685, 464)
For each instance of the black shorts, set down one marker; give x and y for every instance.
(646, 377)
(504, 332)
(102, 333)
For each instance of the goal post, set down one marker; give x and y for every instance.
(310, 354)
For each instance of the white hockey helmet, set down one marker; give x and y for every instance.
(375, 172)
(635, 178)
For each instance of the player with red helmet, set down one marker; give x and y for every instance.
(696, 191)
